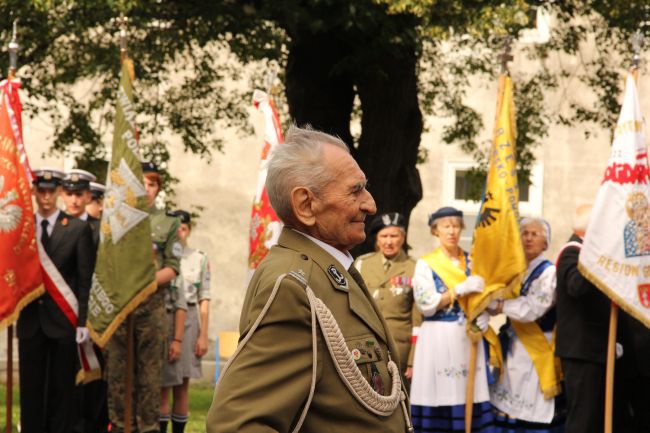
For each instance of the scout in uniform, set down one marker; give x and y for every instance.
(96, 205)
(194, 282)
(46, 337)
(149, 319)
(315, 354)
(388, 273)
(76, 195)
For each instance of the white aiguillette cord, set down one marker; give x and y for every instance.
(343, 360)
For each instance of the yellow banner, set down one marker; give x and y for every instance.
(497, 253)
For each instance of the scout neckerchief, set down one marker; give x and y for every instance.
(452, 275)
(540, 350)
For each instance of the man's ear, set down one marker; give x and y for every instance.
(302, 203)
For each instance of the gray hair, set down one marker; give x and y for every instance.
(546, 226)
(298, 162)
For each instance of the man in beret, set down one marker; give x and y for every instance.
(284, 377)
(388, 272)
(47, 337)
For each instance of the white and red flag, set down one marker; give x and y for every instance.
(265, 225)
(616, 251)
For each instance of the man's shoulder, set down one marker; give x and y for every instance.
(367, 257)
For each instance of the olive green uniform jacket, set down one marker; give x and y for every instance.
(392, 290)
(267, 384)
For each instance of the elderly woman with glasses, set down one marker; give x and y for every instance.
(524, 397)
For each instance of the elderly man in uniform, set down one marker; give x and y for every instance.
(388, 273)
(46, 336)
(315, 354)
(96, 205)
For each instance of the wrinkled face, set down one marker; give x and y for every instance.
(75, 201)
(152, 188)
(46, 198)
(533, 240)
(341, 208)
(389, 241)
(184, 231)
(448, 230)
(94, 208)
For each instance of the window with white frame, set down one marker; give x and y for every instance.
(455, 193)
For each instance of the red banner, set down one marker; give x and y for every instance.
(265, 225)
(20, 270)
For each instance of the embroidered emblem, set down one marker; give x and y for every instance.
(47, 175)
(10, 214)
(385, 218)
(337, 276)
(644, 294)
(177, 249)
(356, 354)
(74, 178)
(120, 201)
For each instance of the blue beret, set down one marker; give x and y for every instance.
(446, 211)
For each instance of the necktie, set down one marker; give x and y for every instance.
(45, 236)
(387, 266)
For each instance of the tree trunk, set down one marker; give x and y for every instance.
(391, 128)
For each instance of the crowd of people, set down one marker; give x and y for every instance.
(170, 327)
(329, 343)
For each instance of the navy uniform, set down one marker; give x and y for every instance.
(93, 406)
(96, 205)
(46, 337)
(390, 284)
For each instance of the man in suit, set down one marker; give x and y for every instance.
(47, 336)
(285, 377)
(582, 331)
(76, 196)
(388, 273)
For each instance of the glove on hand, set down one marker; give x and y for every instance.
(82, 335)
(473, 284)
(483, 321)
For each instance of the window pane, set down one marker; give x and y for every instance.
(461, 187)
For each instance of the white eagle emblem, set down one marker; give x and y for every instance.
(10, 214)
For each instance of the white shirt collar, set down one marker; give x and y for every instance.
(533, 264)
(344, 258)
(84, 216)
(51, 219)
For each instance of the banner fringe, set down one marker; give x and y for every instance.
(29, 297)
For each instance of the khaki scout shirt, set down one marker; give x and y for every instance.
(167, 248)
(267, 384)
(394, 297)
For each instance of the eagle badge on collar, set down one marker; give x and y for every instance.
(337, 276)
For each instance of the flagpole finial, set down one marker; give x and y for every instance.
(271, 79)
(13, 48)
(123, 22)
(506, 55)
(637, 44)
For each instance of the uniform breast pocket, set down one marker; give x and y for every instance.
(368, 355)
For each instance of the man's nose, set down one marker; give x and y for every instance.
(368, 204)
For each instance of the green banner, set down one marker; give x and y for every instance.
(125, 273)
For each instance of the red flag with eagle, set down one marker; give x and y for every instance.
(20, 269)
(265, 225)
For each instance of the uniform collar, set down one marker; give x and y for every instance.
(345, 259)
(84, 216)
(51, 219)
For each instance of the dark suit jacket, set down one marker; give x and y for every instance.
(582, 312)
(71, 250)
(94, 225)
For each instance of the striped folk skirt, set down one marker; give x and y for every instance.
(451, 419)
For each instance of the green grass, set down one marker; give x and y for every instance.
(200, 400)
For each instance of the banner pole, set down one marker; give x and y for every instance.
(611, 359)
(128, 377)
(10, 378)
(469, 395)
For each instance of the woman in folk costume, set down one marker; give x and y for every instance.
(440, 365)
(524, 395)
